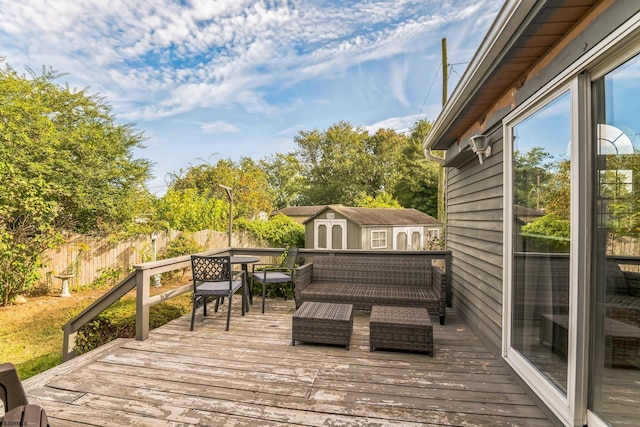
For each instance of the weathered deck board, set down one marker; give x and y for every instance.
(251, 375)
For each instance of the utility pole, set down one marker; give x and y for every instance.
(445, 72)
(445, 94)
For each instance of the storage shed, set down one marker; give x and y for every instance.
(343, 227)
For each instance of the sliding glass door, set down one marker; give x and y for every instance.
(541, 241)
(614, 386)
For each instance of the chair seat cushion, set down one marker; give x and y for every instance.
(218, 288)
(271, 277)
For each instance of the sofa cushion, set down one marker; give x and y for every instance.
(365, 296)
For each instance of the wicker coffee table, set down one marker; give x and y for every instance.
(400, 328)
(323, 323)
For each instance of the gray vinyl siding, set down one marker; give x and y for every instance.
(474, 235)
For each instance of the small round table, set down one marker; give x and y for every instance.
(244, 261)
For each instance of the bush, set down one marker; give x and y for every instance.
(549, 233)
(119, 321)
(278, 231)
(184, 244)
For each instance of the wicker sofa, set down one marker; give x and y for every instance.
(365, 281)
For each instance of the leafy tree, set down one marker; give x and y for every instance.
(251, 191)
(532, 173)
(549, 233)
(192, 209)
(343, 162)
(65, 165)
(556, 195)
(382, 200)
(417, 183)
(285, 179)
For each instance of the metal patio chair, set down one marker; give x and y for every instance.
(212, 277)
(275, 274)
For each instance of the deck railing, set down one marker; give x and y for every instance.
(141, 279)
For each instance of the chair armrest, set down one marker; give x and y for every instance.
(439, 285)
(11, 391)
(261, 266)
(302, 276)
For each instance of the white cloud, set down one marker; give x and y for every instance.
(399, 124)
(219, 127)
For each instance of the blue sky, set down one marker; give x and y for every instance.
(211, 79)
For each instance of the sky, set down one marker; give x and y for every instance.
(206, 80)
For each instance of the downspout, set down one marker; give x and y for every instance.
(430, 156)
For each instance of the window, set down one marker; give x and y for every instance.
(378, 239)
(615, 301)
(540, 237)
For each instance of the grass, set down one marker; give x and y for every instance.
(31, 334)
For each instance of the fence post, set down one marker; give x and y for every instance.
(142, 304)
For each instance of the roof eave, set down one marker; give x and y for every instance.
(499, 37)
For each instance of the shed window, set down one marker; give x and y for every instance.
(378, 239)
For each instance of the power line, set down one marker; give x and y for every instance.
(428, 93)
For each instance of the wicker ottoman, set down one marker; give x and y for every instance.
(400, 328)
(323, 323)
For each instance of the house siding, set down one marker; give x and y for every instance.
(474, 235)
(474, 196)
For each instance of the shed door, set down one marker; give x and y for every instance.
(330, 234)
(407, 238)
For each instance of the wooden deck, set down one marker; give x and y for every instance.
(252, 376)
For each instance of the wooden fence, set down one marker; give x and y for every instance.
(88, 258)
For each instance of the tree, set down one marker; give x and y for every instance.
(417, 183)
(531, 175)
(284, 178)
(382, 200)
(65, 165)
(251, 192)
(342, 162)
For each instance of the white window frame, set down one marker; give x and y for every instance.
(382, 237)
(553, 398)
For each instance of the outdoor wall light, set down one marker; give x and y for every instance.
(480, 146)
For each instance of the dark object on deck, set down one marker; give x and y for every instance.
(274, 274)
(18, 411)
(323, 323)
(401, 281)
(400, 328)
(212, 277)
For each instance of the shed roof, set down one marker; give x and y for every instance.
(300, 210)
(382, 216)
(521, 34)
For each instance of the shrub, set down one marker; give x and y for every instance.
(278, 231)
(119, 321)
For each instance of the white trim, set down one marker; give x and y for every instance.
(595, 421)
(556, 400)
(329, 223)
(386, 244)
(580, 274)
(409, 232)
